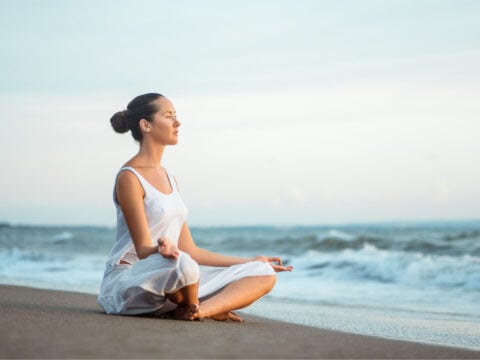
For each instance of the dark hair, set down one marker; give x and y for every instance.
(142, 107)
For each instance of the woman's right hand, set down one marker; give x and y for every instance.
(167, 249)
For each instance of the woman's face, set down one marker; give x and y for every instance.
(164, 125)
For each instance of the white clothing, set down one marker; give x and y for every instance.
(141, 287)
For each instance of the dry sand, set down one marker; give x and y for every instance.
(55, 324)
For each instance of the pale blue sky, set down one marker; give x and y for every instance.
(293, 112)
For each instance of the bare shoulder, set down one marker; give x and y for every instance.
(127, 182)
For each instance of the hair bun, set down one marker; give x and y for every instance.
(119, 122)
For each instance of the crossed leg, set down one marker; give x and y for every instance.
(234, 296)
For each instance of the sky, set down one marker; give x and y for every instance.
(293, 112)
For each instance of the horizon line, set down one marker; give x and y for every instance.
(4, 224)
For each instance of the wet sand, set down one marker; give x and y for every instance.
(55, 324)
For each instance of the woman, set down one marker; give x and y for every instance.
(153, 266)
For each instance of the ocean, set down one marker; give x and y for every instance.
(417, 281)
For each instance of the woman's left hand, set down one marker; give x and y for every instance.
(275, 263)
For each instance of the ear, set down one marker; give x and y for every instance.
(144, 125)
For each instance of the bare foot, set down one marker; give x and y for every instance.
(187, 312)
(226, 317)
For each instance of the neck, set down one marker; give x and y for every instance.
(150, 155)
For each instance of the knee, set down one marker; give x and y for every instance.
(187, 269)
(268, 282)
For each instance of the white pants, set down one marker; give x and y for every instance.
(142, 287)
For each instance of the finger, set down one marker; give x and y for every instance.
(282, 268)
(165, 251)
(276, 260)
(169, 250)
(171, 255)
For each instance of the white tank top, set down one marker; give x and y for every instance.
(166, 213)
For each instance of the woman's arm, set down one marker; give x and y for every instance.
(130, 196)
(202, 256)
(209, 258)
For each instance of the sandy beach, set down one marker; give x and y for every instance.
(55, 324)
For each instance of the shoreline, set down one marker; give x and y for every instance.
(42, 323)
(394, 324)
(271, 309)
